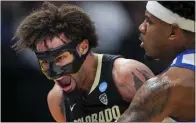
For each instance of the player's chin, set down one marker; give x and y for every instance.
(150, 54)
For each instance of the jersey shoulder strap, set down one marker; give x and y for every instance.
(185, 59)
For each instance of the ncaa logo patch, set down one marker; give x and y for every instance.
(103, 86)
(103, 98)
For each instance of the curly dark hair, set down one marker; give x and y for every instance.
(50, 20)
(185, 9)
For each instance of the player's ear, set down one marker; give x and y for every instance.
(175, 32)
(83, 47)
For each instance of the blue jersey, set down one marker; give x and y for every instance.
(185, 60)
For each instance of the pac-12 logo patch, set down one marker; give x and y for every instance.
(103, 98)
(103, 86)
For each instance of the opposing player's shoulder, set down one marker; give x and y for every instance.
(180, 76)
(177, 85)
(128, 69)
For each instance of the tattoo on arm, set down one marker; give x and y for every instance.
(150, 101)
(137, 81)
(144, 73)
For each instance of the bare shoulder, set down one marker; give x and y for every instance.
(126, 68)
(169, 94)
(175, 84)
(55, 92)
(129, 75)
(182, 81)
(171, 90)
(180, 76)
(55, 101)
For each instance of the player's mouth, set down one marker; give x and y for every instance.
(142, 42)
(65, 83)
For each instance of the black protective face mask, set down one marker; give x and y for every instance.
(54, 71)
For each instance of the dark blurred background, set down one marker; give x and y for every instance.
(25, 88)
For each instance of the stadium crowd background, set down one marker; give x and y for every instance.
(25, 88)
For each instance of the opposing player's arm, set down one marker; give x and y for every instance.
(56, 104)
(159, 97)
(150, 101)
(130, 76)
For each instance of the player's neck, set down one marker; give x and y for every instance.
(190, 47)
(189, 42)
(168, 58)
(88, 71)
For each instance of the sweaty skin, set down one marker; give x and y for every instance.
(170, 94)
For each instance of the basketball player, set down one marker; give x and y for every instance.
(89, 87)
(167, 33)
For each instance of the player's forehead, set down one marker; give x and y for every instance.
(154, 19)
(51, 43)
(150, 16)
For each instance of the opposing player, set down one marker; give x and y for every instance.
(167, 33)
